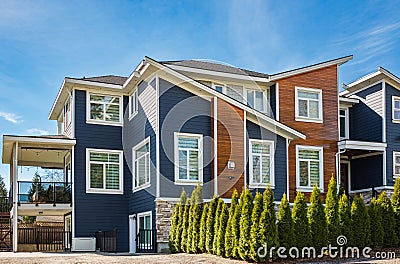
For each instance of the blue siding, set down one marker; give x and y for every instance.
(256, 132)
(94, 212)
(365, 124)
(366, 172)
(272, 100)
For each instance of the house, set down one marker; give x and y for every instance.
(129, 145)
(369, 145)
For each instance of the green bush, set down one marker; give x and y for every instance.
(236, 228)
(196, 208)
(332, 212)
(396, 205)
(376, 229)
(390, 238)
(317, 220)
(345, 219)
(285, 224)
(172, 231)
(255, 234)
(245, 224)
(185, 227)
(203, 230)
(300, 222)
(216, 224)
(210, 224)
(177, 230)
(229, 235)
(223, 221)
(359, 222)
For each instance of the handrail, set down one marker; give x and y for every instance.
(44, 192)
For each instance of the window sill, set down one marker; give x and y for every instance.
(263, 186)
(182, 182)
(106, 123)
(144, 186)
(310, 120)
(102, 191)
(308, 189)
(396, 121)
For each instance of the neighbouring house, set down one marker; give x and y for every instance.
(129, 145)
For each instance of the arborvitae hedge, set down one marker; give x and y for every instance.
(173, 231)
(223, 221)
(390, 238)
(185, 227)
(229, 235)
(194, 226)
(396, 205)
(236, 228)
(345, 219)
(332, 212)
(300, 221)
(255, 234)
(317, 220)
(376, 229)
(245, 224)
(203, 229)
(359, 222)
(216, 224)
(179, 228)
(210, 224)
(285, 224)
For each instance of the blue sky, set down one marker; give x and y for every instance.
(41, 42)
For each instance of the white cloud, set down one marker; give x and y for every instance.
(37, 131)
(11, 117)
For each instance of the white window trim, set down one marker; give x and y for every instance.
(321, 168)
(102, 122)
(394, 98)
(394, 164)
(347, 123)
(134, 149)
(320, 107)
(121, 170)
(272, 164)
(147, 213)
(67, 125)
(176, 159)
(132, 114)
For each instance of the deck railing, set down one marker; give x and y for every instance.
(146, 240)
(44, 192)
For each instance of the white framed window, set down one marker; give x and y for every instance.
(261, 154)
(257, 99)
(396, 164)
(309, 168)
(133, 104)
(104, 171)
(67, 114)
(344, 123)
(104, 109)
(395, 109)
(141, 165)
(188, 158)
(233, 91)
(308, 104)
(144, 228)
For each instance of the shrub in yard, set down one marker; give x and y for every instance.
(229, 234)
(223, 221)
(255, 234)
(359, 222)
(345, 218)
(301, 227)
(236, 228)
(210, 224)
(202, 238)
(332, 212)
(317, 220)
(195, 219)
(285, 224)
(175, 236)
(390, 238)
(245, 224)
(185, 227)
(172, 231)
(216, 224)
(396, 205)
(376, 229)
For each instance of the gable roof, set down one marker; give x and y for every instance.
(109, 79)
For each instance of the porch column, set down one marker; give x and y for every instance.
(15, 198)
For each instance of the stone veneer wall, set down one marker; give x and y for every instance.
(163, 223)
(367, 195)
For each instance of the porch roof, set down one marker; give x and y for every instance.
(361, 145)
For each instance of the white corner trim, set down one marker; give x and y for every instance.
(158, 187)
(277, 101)
(215, 145)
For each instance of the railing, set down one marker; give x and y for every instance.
(5, 204)
(146, 240)
(46, 239)
(106, 241)
(44, 192)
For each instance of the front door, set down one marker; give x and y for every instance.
(344, 176)
(132, 234)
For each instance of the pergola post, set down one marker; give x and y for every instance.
(15, 197)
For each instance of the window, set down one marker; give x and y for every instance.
(67, 113)
(396, 164)
(141, 161)
(133, 104)
(309, 167)
(344, 123)
(233, 91)
(396, 109)
(145, 227)
(257, 100)
(188, 158)
(308, 104)
(104, 108)
(261, 163)
(104, 168)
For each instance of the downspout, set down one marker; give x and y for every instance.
(337, 155)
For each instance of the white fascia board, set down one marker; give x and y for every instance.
(91, 83)
(28, 139)
(269, 123)
(51, 117)
(364, 78)
(348, 100)
(361, 145)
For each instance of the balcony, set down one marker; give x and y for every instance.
(30, 192)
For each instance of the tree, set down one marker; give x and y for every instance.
(216, 224)
(376, 229)
(388, 221)
(179, 227)
(359, 222)
(203, 230)
(332, 212)
(301, 227)
(245, 224)
(317, 220)
(195, 219)
(185, 227)
(173, 229)
(285, 224)
(396, 205)
(255, 234)
(3, 189)
(223, 220)
(210, 224)
(236, 228)
(230, 235)
(345, 219)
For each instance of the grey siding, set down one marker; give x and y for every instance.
(182, 111)
(366, 172)
(280, 163)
